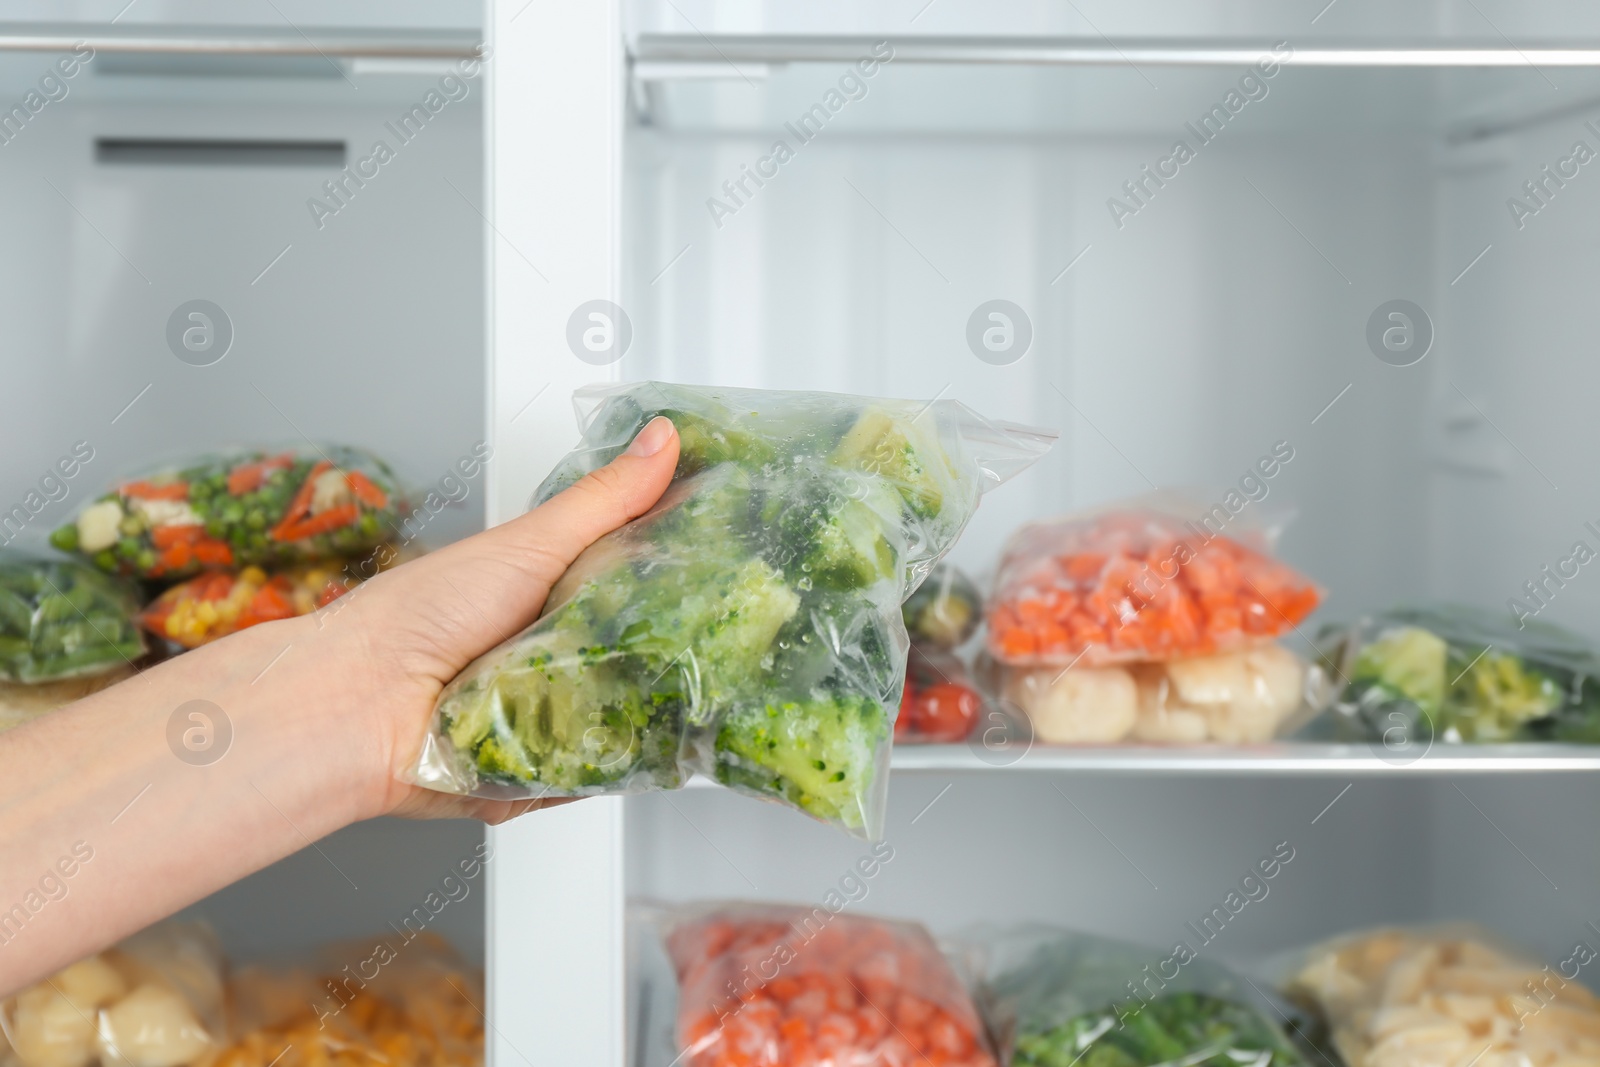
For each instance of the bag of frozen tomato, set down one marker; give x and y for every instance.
(774, 985)
(1153, 579)
(748, 627)
(240, 509)
(1056, 997)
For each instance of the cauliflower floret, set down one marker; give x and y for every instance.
(1080, 705)
(330, 490)
(166, 513)
(98, 526)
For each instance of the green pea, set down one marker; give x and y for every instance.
(215, 528)
(258, 541)
(233, 513)
(66, 537)
(256, 520)
(146, 560)
(105, 559)
(369, 524)
(128, 548)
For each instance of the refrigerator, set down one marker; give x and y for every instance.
(1184, 237)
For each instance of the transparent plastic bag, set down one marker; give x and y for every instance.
(942, 703)
(778, 985)
(1447, 995)
(1455, 673)
(359, 1004)
(218, 603)
(245, 507)
(61, 620)
(1056, 997)
(945, 610)
(1153, 578)
(748, 627)
(154, 1000)
(1242, 697)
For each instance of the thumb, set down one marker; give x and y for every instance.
(552, 535)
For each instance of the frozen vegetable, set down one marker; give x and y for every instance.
(399, 1004)
(1230, 697)
(1136, 584)
(945, 609)
(154, 1000)
(941, 703)
(60, 619)
(1456, 673)
(843, 989)
(1055, 998)
(1421, 998)
(246, 508)
(219, 603)
(749, 626)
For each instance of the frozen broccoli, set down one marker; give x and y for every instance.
(882, 445)
(1494, 693)
(818, 754)
(1194, 1029)
(1408, 664)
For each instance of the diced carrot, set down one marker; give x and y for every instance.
(176, 557)
(365, 491)
(152, 491)
(301, 504)
(269, 604)
(332, 519)
(213, 552)
(167, 536)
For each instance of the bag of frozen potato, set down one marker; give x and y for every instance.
(748, 627)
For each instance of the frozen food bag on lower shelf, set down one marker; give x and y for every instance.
(1448, 995)
(62, 620)
(240, 508)
(1056, 998)
(1454, 673)
(1154, 578)
(945, 610)
(748, 627)
(776, 985)
(213, 605)
(1242, 697)
(941, 703)
(360, 1004)
(154, 1000)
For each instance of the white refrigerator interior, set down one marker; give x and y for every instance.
(804, 196)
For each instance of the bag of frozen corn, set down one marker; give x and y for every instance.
(748, 627)
(218, 603)
(240, 509)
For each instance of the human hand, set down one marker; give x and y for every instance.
(407, 632)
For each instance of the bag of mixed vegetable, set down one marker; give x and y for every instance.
(1454, 673)
(748, 628)
(941, 702)
(250, 508)
(1057, 998)
(1144, 621)
(66, 631)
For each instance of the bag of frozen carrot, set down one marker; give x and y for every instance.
(239, 509)
(1155, 578)
(784, 985)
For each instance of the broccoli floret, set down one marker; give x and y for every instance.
(1409, 663)
(503, 762)
(819, 754)
(885, 446)
(1495, 693)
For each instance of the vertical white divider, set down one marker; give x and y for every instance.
(554, 120)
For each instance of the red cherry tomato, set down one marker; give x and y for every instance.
(945, 712)
(902, 722)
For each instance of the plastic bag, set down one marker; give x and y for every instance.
(60, 619)
(749, 626)
(216, 604)
(155, 1000)
(941, 702)
(1455, 673)
(1139, 581)
(418, 1006)
(1448, 995)
(1055, 997)
(1232, 697)
(944, 611)
(242, 508)
(844, 991)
